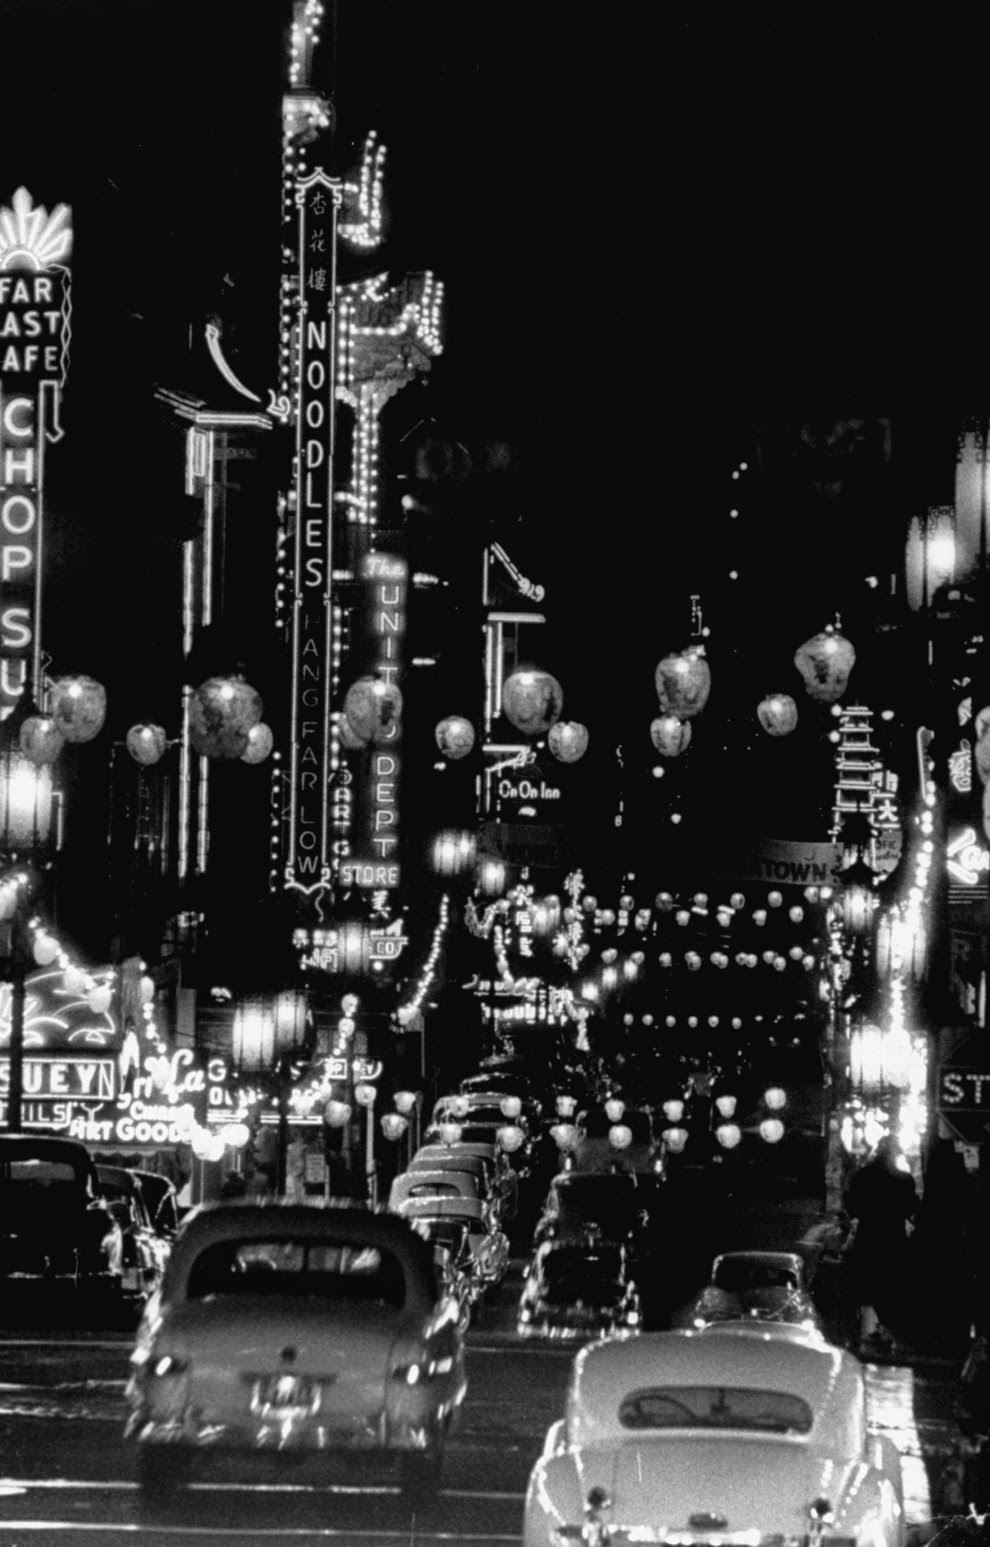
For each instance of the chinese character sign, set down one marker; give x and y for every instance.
(34, 349)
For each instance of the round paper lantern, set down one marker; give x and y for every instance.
(40, 738)
(565, 1106)
(393, 1125)
(235, 1135)
(99, 998)
(532, 700)
(221, 712)
(726, 1105)
(683, 681)
(373, 709)
(353, 946)
(337, 1114)
(564, 1135)
(146, 990)
(78, 705)
(671, 736)
(453, 852)
(675, 1139)
(207, 1145)
(348, 736)
(673, 1111)
(728, 1135)
(614, 1109)
(449, 1132)
(457, 1106)
(568, 741)
(777, 714)
(404, 1100)
(44, 950)
(772, 1130)
(620, 1136)
(365, 1094)
(825, 661)
(692, 960)
(259, 743)
(455, 736)
(510, 1137)
(146, 743)
(775, 1098)
(510, 1107)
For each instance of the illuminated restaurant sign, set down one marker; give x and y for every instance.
(376, 795)
(82, 1097)
(307, 867)
(34, 348)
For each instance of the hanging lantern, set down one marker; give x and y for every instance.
(726, 1105)
(449, 1132)
(532, 700)
(929, 555)
(777, 714)
(373, 709)
(235, 1135)
(44, 950)
(365, 1094)
(146, 743)
(614, 1109)
(692, 960)
(775, 1098)
(675, 1139)
(455, 736)
(510, 1107)
(453, 852)
(620, 1136)
(858, 897)
(99, 998)
(673, 1111)
(404, 1100)
(671, 736)
(393, 1125)
(568, 741)
(728, 1135)
(825, 661)
(259, 743)
(564, 1135)
(772, 1130)
(490, 875)
(337, 1114)
(40, 738)
(683, 682)
(348, 736)
(78, 705)
(510, 1137)
(353, 947)
(221, 712)
(565, 1106)
(456, 1106)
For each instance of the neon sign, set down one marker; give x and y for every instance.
(34, 344)
(965, 859)
(307, 866)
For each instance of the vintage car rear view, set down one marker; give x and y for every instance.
(762, 1286)
(145, 1252)
(55, 1229)
(295, 1328)
(578, 1291)
(733, 1433)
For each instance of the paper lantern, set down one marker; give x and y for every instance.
(235, 1135)
(449, 1132)
(670, 735)
(675, 1139)
(373, 709)
(683, 682)
(455, 736)
(775, 1098)
(353, 947)
(337, 1114)
(777, 714)
(259, 743)
(453, 852)
(726, 1105)
(365, 1094)
(44, 950)
(404, 1100)
(146, 990)
(206, 1145)
(614, 1109)
(728, 1135)
(564, 1135)
(532, 700)
(456, 1106)
(772, 1130)
(40, 738)
(568, 741)
(620, 1136)
(565, 1106)
(222, 711)
(348, 736)
(146, 743)
(510, 1107)
(673, 1111)
(99, 998)
(825, 661)
(510, 1137)
(393, 1125)
(78, 705)
(490, 875)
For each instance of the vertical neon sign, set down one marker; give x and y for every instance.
(308, 858)
(34, 352)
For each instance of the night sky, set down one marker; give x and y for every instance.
(667, 240)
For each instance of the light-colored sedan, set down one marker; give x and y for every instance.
(739, 1434)
(295, 1328)
(484, 1255)
(753, 1286)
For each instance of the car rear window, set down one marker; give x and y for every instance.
(304, 1268)
(715, 1407)
(40, 1172)
(736, 1276)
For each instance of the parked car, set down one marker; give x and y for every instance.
(577, 1291)
(55, 1228)
(295, 1329)
(488, 1244)
(753, 1286)
(733, 1433)
(145, 1252)
(436, 1183)
(592, 1206)
(506, 1081)
(163, 1202)
(504, 1180)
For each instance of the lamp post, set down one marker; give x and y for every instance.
(26, 801)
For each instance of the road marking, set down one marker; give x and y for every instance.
(14, 1485)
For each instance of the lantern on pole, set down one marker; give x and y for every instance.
(78, 705)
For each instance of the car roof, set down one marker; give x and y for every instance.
(593, 1181)
(737, 1354)
(440, 1207)
(46, 1146)
(789, 1261)
(209, 1223)
(460, 1147)
(439, 1159)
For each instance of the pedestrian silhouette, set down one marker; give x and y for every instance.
(882, 1201)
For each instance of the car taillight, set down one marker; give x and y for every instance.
(166, 1384)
